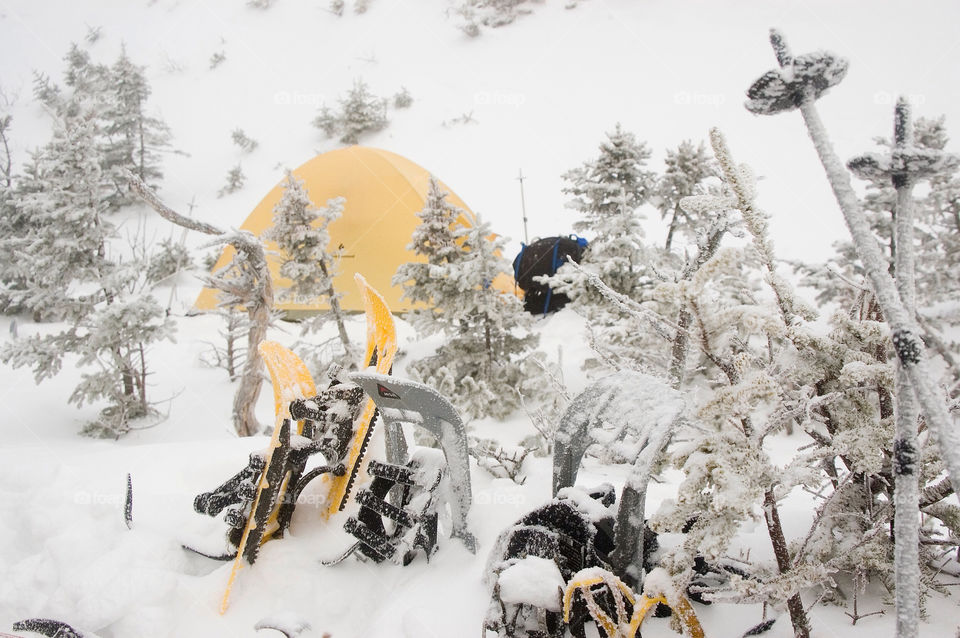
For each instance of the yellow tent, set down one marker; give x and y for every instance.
(383, 193)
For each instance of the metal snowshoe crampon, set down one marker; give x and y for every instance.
(399, 510)
(600, 553)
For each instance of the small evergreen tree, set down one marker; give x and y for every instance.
(134, 137)
(434, 238)
(607, 192)
(402, 99)
(300, 230)
(687, 167)
(240, 138)
(483, 364)
(235, 181)
(116, 98)
(360, 112)
(169, 258)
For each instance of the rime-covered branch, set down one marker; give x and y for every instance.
(147, 195)
(247, 283)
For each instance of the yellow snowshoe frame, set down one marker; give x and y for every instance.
(291, 381)
(381, 349)
(624, 627)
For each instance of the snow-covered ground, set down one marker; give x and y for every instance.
(542, 92)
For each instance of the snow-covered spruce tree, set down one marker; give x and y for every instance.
(243, 283)
(797, 85)
(235, 181)
(243, 141)
(134, 138)
(937, 233)
(360, 112)
(483, 365)
(300, 230)
(128, 136)
(13, 227)
(436, 239)
(489, 13)
(607, 192)
(686, 168)
(729, 475)
(903, 167)
(110, 320)
(167, 259)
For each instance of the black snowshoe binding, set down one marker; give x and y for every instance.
(397, 514)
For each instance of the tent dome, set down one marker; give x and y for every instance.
(383, 193)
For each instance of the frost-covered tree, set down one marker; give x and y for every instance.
(686, 168)
(242, 140)
(235, 181)
(167, 259)
(402, 98)
(68, 232)
(360, 112)
(797, 84)
(129, 137)
(300, 231)
(435, 239)
(729, 475)
(489, 13)
(617, 180)
(607, 192)
(13, 226)
(110, 320)
(6, 159)
(134, 137)
(483, 364)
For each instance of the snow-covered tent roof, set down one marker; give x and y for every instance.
(383, 193)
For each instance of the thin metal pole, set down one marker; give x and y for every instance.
(523, 206)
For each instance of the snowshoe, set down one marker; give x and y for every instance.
(259, 500)
(402, 401)
(381, 348)
(599, 552)
(626, 398)
(535, 558)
